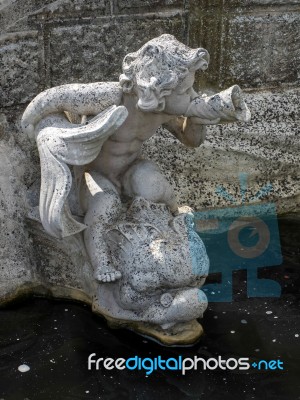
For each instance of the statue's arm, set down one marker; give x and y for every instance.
(188, 130)
(75, 98)
(226, 106)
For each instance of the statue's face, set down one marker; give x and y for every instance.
(179, 100)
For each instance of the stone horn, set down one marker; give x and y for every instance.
(225, 106)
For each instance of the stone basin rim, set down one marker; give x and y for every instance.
(146, 330)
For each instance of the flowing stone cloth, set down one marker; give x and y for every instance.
(59, 146)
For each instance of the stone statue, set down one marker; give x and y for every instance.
(148, 262)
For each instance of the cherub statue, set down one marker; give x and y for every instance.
(104, 144)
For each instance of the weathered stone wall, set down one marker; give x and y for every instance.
(254, 43)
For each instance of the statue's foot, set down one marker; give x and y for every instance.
(107, 276)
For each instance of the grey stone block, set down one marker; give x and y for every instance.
(140, 5)
(15, 253)
(262, 50)
(254, 43)
(89, 53)
(205, 31)
(14, 14)
(65, 9)
(19, 65)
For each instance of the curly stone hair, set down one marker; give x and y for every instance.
(156, 68)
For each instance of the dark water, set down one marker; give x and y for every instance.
(55, 338)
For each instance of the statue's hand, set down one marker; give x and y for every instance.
(107, 276)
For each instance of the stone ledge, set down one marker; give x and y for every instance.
(267, 149)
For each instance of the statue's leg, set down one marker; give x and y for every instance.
(144, 179)
(103, 206)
